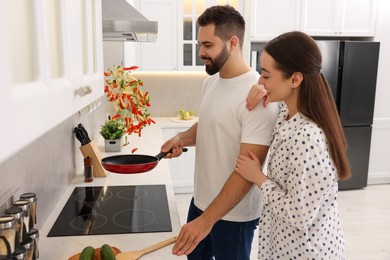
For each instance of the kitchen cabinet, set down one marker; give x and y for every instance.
(87, 57)
(331, 18)
(176, 47)
(51, 65)
(339, 17)
(268, 19)
(162, 54)
(182, 168)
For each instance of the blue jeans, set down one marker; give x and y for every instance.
(227, 239)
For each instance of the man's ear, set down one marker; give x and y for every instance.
(233, 42)
(296, 79)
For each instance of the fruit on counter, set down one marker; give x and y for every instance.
(186, 115)
(106, 253)
(87, 253)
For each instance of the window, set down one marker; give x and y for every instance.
(188, 45)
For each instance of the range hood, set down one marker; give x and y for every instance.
(122, 22)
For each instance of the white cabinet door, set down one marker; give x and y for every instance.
(44, 56)
(162, 54)
(182, 168)
(339, 17)
(319, 17)
(271, 18)
(359, 17)
(86, 51)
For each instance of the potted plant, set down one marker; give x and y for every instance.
(130, 101)
(112, 132)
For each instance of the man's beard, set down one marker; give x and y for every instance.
(217, 63)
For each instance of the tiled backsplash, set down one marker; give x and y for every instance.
(48, 164)
(172, 91)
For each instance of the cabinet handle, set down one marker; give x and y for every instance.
(84, 91)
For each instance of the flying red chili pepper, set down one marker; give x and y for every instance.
(131, 68)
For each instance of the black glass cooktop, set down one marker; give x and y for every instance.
(114, 210)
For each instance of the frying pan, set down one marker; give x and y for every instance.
(133, 163)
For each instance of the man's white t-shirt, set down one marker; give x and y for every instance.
(225, 123)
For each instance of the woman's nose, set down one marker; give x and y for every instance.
(260, 80)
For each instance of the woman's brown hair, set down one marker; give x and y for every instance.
(298, 52)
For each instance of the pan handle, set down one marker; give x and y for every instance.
(161, 155)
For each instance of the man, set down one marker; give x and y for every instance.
(225, 209)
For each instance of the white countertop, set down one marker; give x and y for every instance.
(149, 144)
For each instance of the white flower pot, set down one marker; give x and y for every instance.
(113, 145)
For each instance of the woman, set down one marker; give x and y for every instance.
(307, 157)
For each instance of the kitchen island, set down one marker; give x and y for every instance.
(65, 246)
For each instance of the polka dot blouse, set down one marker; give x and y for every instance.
(300, 219)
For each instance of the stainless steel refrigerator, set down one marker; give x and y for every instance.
(351, 70)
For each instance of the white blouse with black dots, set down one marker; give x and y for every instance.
(300, 219)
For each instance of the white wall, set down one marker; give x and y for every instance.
(379, 167)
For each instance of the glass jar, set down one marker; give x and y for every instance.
(29, 246)
(34, 235)
(19, 254)
(8, 234)
(25, 206)
(18, 214)
(32, 199)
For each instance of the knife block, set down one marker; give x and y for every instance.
(92, 151)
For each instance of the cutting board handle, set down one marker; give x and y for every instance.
(159, 245)
(132, 255)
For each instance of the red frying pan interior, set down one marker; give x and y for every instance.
(132, 163)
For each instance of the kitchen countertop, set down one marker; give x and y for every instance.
(149, 144)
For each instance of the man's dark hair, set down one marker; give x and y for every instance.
(227, 20)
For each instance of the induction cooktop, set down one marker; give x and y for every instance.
(100, 210)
